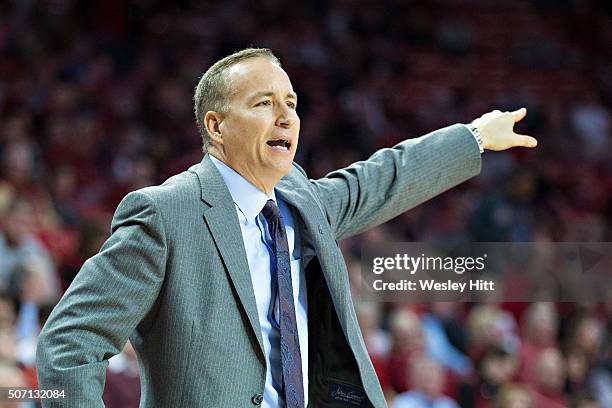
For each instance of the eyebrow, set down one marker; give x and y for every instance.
(290, 95)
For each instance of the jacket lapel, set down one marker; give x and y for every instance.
(222, 220)
(319, 235)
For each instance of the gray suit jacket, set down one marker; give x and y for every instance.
(174, 278)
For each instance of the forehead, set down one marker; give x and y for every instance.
(257, 75)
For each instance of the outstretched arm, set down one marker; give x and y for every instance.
(393, 180)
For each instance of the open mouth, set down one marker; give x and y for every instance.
(280, 144)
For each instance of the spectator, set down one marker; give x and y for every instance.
(8, 314)
(540, 326)
(578, 369)
(376, 340)
(11, 377)
(496, 368)
(592, 122)
(600, 380)
(513, 396)
(22, 254)
(407, 343)
(8, 344)
(369, 317)
(437, 342)
(427, 379)
(550, 374)
(586, 334)
(489, 326)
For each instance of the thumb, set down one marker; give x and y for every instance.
(519, 114)
(526, 141)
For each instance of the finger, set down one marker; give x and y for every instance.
(519, 114)
(526, 141)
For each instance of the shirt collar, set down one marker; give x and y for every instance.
(249, 199)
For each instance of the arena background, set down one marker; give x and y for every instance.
(96, 101)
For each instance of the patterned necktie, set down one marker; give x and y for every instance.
(291, 358)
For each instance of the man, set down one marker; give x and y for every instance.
(227, 278)
(24, 256)
(427, 379)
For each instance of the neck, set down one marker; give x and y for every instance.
(262, 185)
(265, 184)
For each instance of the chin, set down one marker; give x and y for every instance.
(283, 166)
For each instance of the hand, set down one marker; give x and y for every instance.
(497, 130)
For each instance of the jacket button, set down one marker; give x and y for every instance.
(257, 399)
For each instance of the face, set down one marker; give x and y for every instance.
(550, 370)
(427, 377)
(19, 223)
(258, 136)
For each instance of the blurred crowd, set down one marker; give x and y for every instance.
(447, 354)
(96, 101)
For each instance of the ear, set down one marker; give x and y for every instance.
(212, 122)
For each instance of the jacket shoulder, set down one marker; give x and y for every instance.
(176, 189)
(297, 168)
(296, 176)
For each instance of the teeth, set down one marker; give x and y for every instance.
(279, 143)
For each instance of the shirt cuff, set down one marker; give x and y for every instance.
(474, 131)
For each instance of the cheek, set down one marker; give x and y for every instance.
(255, 130)
(244, 135)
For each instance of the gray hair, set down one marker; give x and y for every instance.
(213, 90)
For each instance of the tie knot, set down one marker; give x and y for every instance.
(270, 211)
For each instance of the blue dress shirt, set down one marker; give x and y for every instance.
(249, 202)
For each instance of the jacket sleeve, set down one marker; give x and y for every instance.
(110, 295)
(394, 180)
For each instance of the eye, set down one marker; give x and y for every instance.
(291, 104)
(266, 102)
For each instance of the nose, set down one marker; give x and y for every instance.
(286, 117)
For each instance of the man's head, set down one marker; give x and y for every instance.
(550, 370)
(540, 323)
(427, 376)
(245, 110)
(18, 221)
(497, 366)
